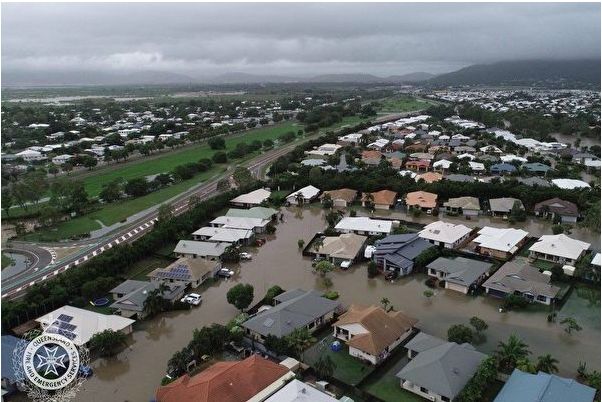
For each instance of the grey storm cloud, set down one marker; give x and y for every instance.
(291, 38)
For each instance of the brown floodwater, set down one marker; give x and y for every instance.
(135, 373)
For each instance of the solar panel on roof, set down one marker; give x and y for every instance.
(66, 326)
(268, 322)
(65, 317)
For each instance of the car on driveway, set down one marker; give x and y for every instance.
(345, 264)
(225, 273)
(192, 298)
(246, 256)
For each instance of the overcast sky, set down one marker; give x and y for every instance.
(304, 39)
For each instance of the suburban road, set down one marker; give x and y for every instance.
(15, 285)
(43, 270)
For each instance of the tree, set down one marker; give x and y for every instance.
(323, 267)
(327, 201)
(7, 201)
(299, 340)
(547, 364)
(526, 365)
(77, 199)
(271, 293)
(193, 201)
(176, 366)
(460, 334)
(242, 177)
(515, 302)
(372, 269)
(428, 294)
(90, 162)
(483, 377)
(318, 243)
(325, 366)
(111, 191)
(369, 201)
(571, 325)
(510, 352)
(300, 243)
(220, 157)
(478, 324)
(136, 187)
(517, 213)
(154, 303)
(106, 342)
(385, 303)
(299, 199)
(53, 170)
(240, 296)
(165, 213)
(223, 185)
(217, 143)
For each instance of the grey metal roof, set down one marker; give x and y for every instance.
(134, 300)
(294, 312)
(460, 270)
(128, 286)
(401, 250)
(201, 248)
(422, 342)
(503, 204)
(459, 178)
(514, 276)
(443, 369)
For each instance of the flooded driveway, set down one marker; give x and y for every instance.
(134, 374)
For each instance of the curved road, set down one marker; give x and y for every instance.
(15, 285)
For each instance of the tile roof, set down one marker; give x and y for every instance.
(467, 203)
(346, 246)
(430, 177)
(235, 381)
(345, 194)
(557, 206)
(503, 204)
(382, 197)
(421, 198)
(560, 245)
(523, 278)
(383, 328)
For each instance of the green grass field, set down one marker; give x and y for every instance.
(166, 163)
(403, 104)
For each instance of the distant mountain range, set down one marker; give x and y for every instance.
(528, 72)
(525, 72)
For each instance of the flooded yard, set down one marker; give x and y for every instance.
(135, 373)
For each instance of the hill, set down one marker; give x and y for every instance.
(526, 72)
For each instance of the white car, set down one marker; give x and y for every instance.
(192, 298)
(346, 264)
(246, 256)
(225, 273)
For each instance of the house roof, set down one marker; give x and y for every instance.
(444, 232)
(134, 299)
(401, 249)
(543, 387)
(383, 328)
(536, 167)
(371, 154)
(185, 269)
(460, 178)
(83, 324)
(346, 246)
(503, 204)
(570, 184)
(345, 194)
(201, 248)
(429, 177)
(255, 197)
(558, 206)
(308, 192)
(444, 369)
(560, 245)
(297, 391)
(460, 270)
(423, 341)
(466, 203)
(502, 167)
(596, 259)
(524, 278)
(291, 314)
(502, 239)
(421, 198)
(223, 234)
(231, 381)
(263, 213)
(364, 224)
(382, 197)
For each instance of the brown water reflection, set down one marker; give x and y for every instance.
(136, 372)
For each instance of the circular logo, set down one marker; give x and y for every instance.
(51, 361)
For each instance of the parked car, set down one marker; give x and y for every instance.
(225, 273)
(192, 298)
(246, 256)
(345, 264)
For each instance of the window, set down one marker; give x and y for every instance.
(444, 398)
(422, 389)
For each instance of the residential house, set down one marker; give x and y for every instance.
(583, 158)
(352, 139)
(491, 149)
(364, 226)
(429, 177)
(324, 150)
(307, 194)
(517, 278)
(559, 249)
(257, 225)
(31, 156)
(252, 199)
(460, 274)
(503, 206)
(396, 253)
(442, 165)
(341, 198)
(263, 213)
(237, 237)
(460, 178)
(570, 184)
(502, 168)
(62, 159)
(421, 165)
(543, 387)
(438, 370)
(294, 309)
(555, 207)
(501, 243)
(298, 391)
(371, 333)
(336, 249)
(422, 200)
(79, 325)
(467, 206)
(476, 167)
(251, 380)
(200, 249)
(131, 294)
(371, 157)
(383, 199)
(445, 234)
(380, 144)
(536, 168)
(187, 272)
(463, 149)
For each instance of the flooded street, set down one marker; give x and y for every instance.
(134, 374)
(570, 139)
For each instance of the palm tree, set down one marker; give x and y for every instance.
(385, 302)
(299, 199)
(526, 366)
(300, 339)
(547, 364)
(369, 201)
(509, 353)
(325, 366)
(154, 302)
(318, 243)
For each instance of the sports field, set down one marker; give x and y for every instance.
(403, 104)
